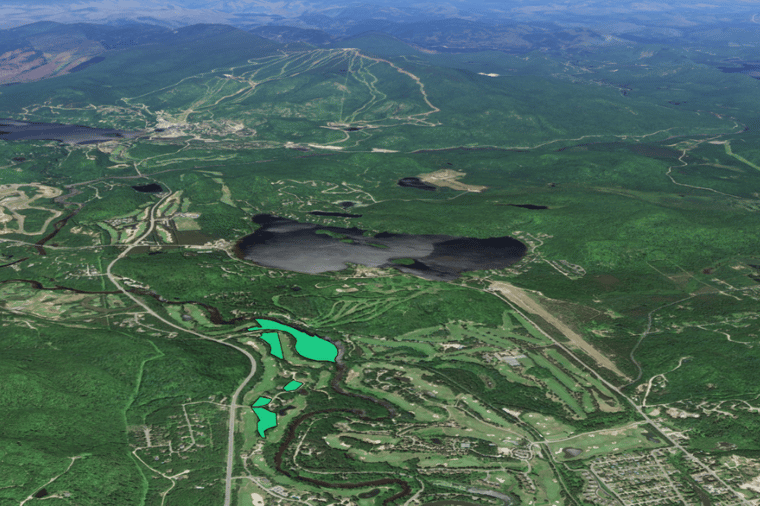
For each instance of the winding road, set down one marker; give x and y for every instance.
(236, 394)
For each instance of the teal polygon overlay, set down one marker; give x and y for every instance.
(261, 401)
(273, 340)
(293, 385)
(267, 420)
(311, 347)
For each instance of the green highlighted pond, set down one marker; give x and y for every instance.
(308, 346)
(311, 347)
(293, 385)
(261, 401)
(273, 340)
(267, 419)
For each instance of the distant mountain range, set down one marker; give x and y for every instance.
(617, 16)
(45, 49)
(444, 35)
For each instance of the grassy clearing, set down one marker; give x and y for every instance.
(491, 417)
(566, 397)
(164, 234)
(549, 427)
(184, 224)
(605, 442)
(456, 462)
(549, 489)
(486, 430)
(113, 234)
(588, 402)
(245, 491)
(423, 348)
(507, 371)
(581, 375)
(559, 374)
(537, 337)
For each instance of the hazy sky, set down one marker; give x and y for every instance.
(16, 12)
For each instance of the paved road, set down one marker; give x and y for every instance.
(231, 428)
(234, 399)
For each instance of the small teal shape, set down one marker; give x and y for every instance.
(267, 420)
(293, 385)
(273, 340)
(261, 401)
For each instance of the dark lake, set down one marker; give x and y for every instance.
(13, 130)
(312, 249)
(370, 494)
(415, 182)
(751, 69)
(148, 188)
(528, 206)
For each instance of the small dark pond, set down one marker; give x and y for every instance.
(42, 493)
(284, 411)
(751, 69)
(148, 188)
(415, 182)
(312, 249)
(339, 215)
(368, 495)
(528, 206)
(346, 204)
(12, 130)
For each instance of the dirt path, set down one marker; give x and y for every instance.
(13, 199)
(518, 297)
(684, 152)
(433, 108)
(31, 497)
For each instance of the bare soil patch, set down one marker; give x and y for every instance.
(448, 178)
